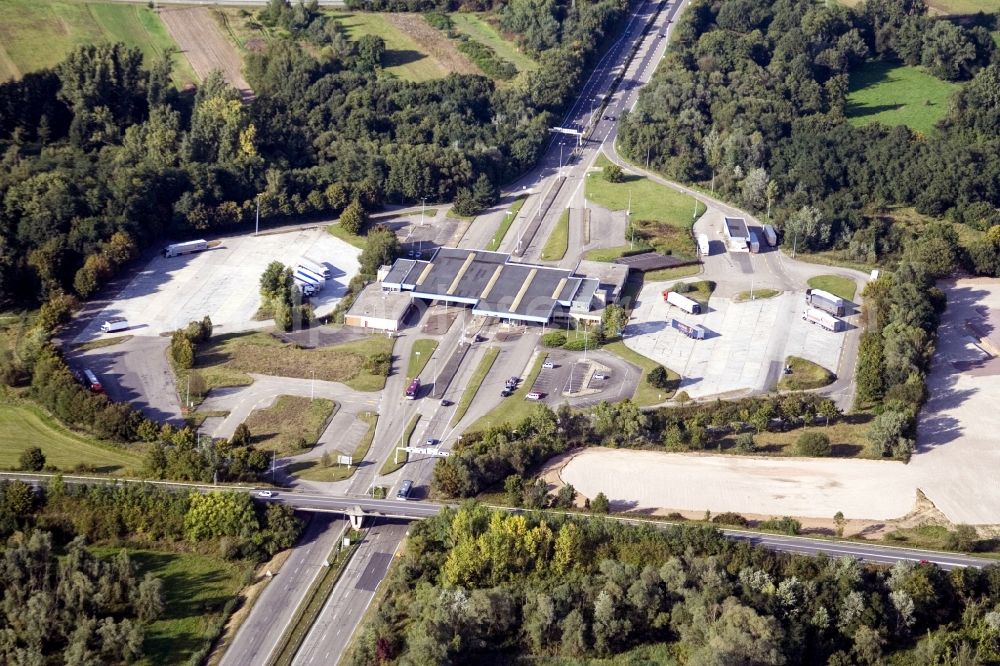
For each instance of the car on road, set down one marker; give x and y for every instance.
(404, 490)
(431, 441)
(446, 403)
(535, 395)
(601, 375)
(504, 393)
(548, 365)
(265, 493)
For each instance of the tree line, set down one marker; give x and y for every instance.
(751, 98)
(475, 585)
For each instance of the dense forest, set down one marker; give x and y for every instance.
(478, 586)
(100, 155)
(62, 604)
(751, 100)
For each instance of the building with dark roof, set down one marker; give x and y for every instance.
(495, 286)
(737, 233)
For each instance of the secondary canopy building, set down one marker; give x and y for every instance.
(495, 286)
(737, 234)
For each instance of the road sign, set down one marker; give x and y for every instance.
(427, 451)
(345, 460)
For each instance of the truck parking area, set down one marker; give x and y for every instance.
(222, 282)
(745, 342)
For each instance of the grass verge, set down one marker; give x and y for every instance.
(758, 294)
(422, 351)
(508, 220)
(848, 439)
(835, 284)
(102, 342)
(645, 393)
(404, 57)
(665, 274)
(805, 375)
(292, 424)
(226, 360)
(197, 590)
(343, 234)
(477, 28)
(475, 383)
(897, 95)
(390, 465)
(23, 426)
(514, 408)
(313, 470)
(307, 613)
(701, 291)
(558, 241)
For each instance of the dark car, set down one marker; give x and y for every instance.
(504, 393)
(446, 403)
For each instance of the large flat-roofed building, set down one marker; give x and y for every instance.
(378, 309)
(737, 233)
(495, 286)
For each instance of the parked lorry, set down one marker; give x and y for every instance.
(683, 302)
(305, 287)
(771, 235)
(316, 267)
(753, 242)
(305, 270)
(703, 247)
(114, 324)
(177, 249)
(413, 389)
(826, 301)
(308, 278)
(696, 332)
(824, 319)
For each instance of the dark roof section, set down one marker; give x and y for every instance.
(404, 273)
(736, 227)
(652, 261)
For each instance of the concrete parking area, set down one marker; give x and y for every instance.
(222, 283)
(745, 347)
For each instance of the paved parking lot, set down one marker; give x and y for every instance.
(745, 347)
(223, 283)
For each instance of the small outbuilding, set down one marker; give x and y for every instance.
(380, 309)
(737, 234)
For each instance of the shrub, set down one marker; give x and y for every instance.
(785, 525)
(658, 377)
(32, 459)
(554, 339)
(600, 504)
(566, 497)
(745, 443)
(379, 364)
(730, 518)
(613, 173)
(681, 287)
(813, 444)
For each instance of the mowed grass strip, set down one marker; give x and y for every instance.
(421, 353)
(645, 393)
(343, 234)
(508, 220)
(757, 295)
(227, 360)
(805, 375)
(25, 426)
(514, 408)
(475, 383)
(479, 29)
(558, 241)
(835, 284)
(35, 34)
(196, 589)
(102, 342)
(313, 470)
(291, 424)
(897, 95)
(391, 465)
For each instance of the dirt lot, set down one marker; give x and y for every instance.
(434, 42)
(206, 48)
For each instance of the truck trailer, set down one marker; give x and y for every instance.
(771, 235)
(753, 242)
(826, 301)
(308, 278)
(824, 319)
(316, 267)
(177, 249)
(696, 332)
(305, 287)
(703, 247)
(305, 270)
(683, 302)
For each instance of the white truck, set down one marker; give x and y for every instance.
(824, 319)
(305, 270)
(305, 287)
(114, 324)
(696, 332)
(703, 247)
(753, 243)
(308, 278)
(683, 302)
(177, 249)
(826, 301)
(315, 267)
(771, 235)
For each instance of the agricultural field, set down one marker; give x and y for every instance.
(477, 27)
(897, 95)
(35, 34)
(24, 426)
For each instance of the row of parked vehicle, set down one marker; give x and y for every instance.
(310, 276)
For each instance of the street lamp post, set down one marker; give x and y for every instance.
(256, 228)
(423, 205)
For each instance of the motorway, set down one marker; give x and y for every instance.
(275, 608)
(328, 638)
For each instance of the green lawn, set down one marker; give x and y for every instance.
(515, 407)
(475, 383)
(661, 218)
(197, 588)
(102, 342)
(422, 351)
(404, 57)
(701, 291)
(665, 274)
(476, 27)
(291, 424)
(515, 208)
(897, 95)
(35, 34)
(645, 394)
(558, 241)
(343, 234)
(24, 426)
(313, 470)
(758, 294)
(390, 465)
(835, 284)
(805, 375)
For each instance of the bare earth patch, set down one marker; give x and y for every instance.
(434, 42)
(203, 44)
